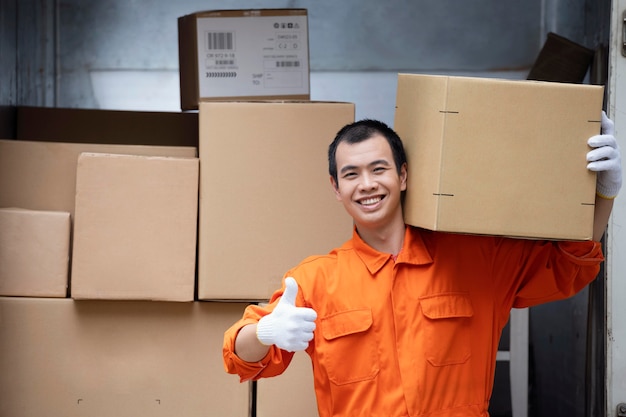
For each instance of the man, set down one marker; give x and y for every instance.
(401, 321)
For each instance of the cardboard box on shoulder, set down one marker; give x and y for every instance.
(498, 157)
(266, 201)
(243, 54)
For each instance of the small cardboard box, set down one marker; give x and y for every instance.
(290, 394)
(498, 157)
(34, 253)
(61, 357)
(243, 54)
(266, 201)
(42, 175)
(135, 228)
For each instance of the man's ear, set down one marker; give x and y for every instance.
(403, 176)
(335, 187)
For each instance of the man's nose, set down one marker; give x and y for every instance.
(368, 183)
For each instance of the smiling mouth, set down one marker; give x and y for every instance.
(370, 201)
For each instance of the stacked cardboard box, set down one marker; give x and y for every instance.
(135, 227)
(114, 200)
(41, 177)
(257, 54)
(266, 201)
(134, 211)
(34, 252)
(133, 204)
(61, 357)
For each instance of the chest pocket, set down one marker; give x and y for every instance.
(447, 328)
(350, 351)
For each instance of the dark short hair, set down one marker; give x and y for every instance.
(362, 130)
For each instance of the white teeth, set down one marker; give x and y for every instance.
(370, 201)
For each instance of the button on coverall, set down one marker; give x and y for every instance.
(417, 336)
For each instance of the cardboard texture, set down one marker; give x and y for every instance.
(34, 253)
(290, 394)
(107, 126)
(61, 357)
(42, 175)
(498, 157)
(265, 197)
(243, 54)
(135, 228)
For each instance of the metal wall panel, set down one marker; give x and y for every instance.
(348, 35)
(8, 52)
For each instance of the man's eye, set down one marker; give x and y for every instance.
(380, 169)
(349, 175)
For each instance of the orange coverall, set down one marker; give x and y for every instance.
(417, 336)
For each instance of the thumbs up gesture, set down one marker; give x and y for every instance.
(288, 327)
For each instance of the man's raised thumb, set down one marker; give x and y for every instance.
(291, 291)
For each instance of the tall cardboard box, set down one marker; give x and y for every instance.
(135, 228)
(34, 253)
(61, 357)
(243, 54)
(40, 175)
(266, 201)
(498, 157)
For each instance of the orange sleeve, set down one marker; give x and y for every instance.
(558, 270)
(274, 363)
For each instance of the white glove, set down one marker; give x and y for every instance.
(288, 327)
(605, 159)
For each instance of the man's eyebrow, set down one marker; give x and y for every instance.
(371, 164)
(379, 162)
(347, 168)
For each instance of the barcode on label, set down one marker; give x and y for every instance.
(287, 64)
(220, 41)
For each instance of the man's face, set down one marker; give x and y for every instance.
(368, 183)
